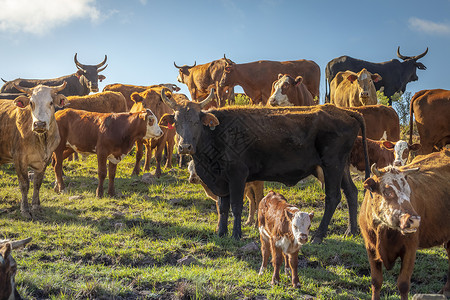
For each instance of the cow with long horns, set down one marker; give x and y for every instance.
(81, 83)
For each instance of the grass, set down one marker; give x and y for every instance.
(128, 247)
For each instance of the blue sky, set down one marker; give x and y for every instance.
(142, 38)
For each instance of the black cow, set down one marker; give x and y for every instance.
(81, 83)
(234, 145)
(395, 74)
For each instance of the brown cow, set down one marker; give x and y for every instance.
(29, 135)
(380, 119)
(199, 80)
(104, 102)
(8, 268)
(404, 209)
(254, 191)
(287, 91)
(351, 89)
(151, 99)
(283, 230)
(432, 110)
(109, 135)
(256, 77)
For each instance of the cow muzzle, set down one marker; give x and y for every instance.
(303, 238)
(409, 224)
(40, 126)
(186, 149)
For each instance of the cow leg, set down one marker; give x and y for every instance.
(111, 175)
(293, 264)
(139, 151)
(286, 265)
(57, 168)
(446, 289)
(158, 158)
(237, 188)
(224, 208)
(249, 193)
(101, 169)
(277, 259)
(148, 155)
(406, 270)
(170, 145)
(24, 184)
(37, 182)
(376, 274)
(265, 252)
(351, 194)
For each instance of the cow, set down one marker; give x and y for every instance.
(104, 102)
(287, 91)
(432, 111)
(81, 83)
(199, 79)
(11, 96)
(28, 136)
(254, 191)
(381, 153)
(128, 89)
(109, 135)
(256, 77)
(8, 268)
(404, 209)
(395, 74)
(234, 145)
(354, 89)
(283, 230)
(151, 99)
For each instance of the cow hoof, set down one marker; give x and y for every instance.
(274, 282)
(296, 285)
(317, 240)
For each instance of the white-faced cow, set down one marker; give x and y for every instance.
(81, 83)
(405, 209)
(28, 136)
(287, 91)
(234, 145)
(395, 74)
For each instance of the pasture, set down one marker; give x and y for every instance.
(132, 246)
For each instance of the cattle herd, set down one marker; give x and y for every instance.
(284, 136)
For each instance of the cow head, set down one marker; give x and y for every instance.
(401, 151)
(413, 63)
(365, 83)
(153, 129)
(300, 224)
(42, 101)
(183, 72)
(390, 197)
(8, 268)
(228, 71)
(88, 74)
(189, 121)
(282, 89)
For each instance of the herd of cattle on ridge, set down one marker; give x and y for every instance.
(284, 136)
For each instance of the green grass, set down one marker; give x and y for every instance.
(127, 247)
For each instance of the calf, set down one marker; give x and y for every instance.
(283, 229)
(254, 191)
(404, 209)
(287, 91)
(105, 102)
(111, 136)
(8, 269)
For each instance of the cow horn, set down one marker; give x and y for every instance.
(21, 243)
(195, 63)
(77, 63)
(420, 55)
(176, 66)
(101, 69)
(375, 171)
(59, 88)
(171, 103)
(25, 90)
(401, 56)
(227, 60)
(208, 99)
(4, 80)
(102, 63)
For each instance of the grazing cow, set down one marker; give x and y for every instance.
(109, 135)
(254, 191)
(283, 230)
(404, 209)
(199, 79)
(382, 122)
(432, 110)
(8, 269)
(104, 102)
(234, 145)
(381, 153)
(287, 91)
(395, 74)
(81, 83)
(256, 77)
(28, 136)
(354, 89)
(151, 99)
(128, 89)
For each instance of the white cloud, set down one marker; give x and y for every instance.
(41, 16)
(429, 26)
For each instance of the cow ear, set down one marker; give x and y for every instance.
(60, 100)
(148, 116)
(167, 120)
(288, 214)
(414, 147)
(352, 77)
(388, 145)
(209, 120)
(279, 76)
(370, 184)
(101, 77)
(22, 101)
(136, 97)
(298, 80)
(79, 73)
(5, 251)
(376, 77)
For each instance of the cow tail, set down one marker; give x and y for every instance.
(362, 125)
(411, 113)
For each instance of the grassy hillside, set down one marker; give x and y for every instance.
(128, 247)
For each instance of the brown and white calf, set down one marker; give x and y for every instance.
(287, 91)
(109, 135)
(254, 191)
(404, 209)
(283, 229)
